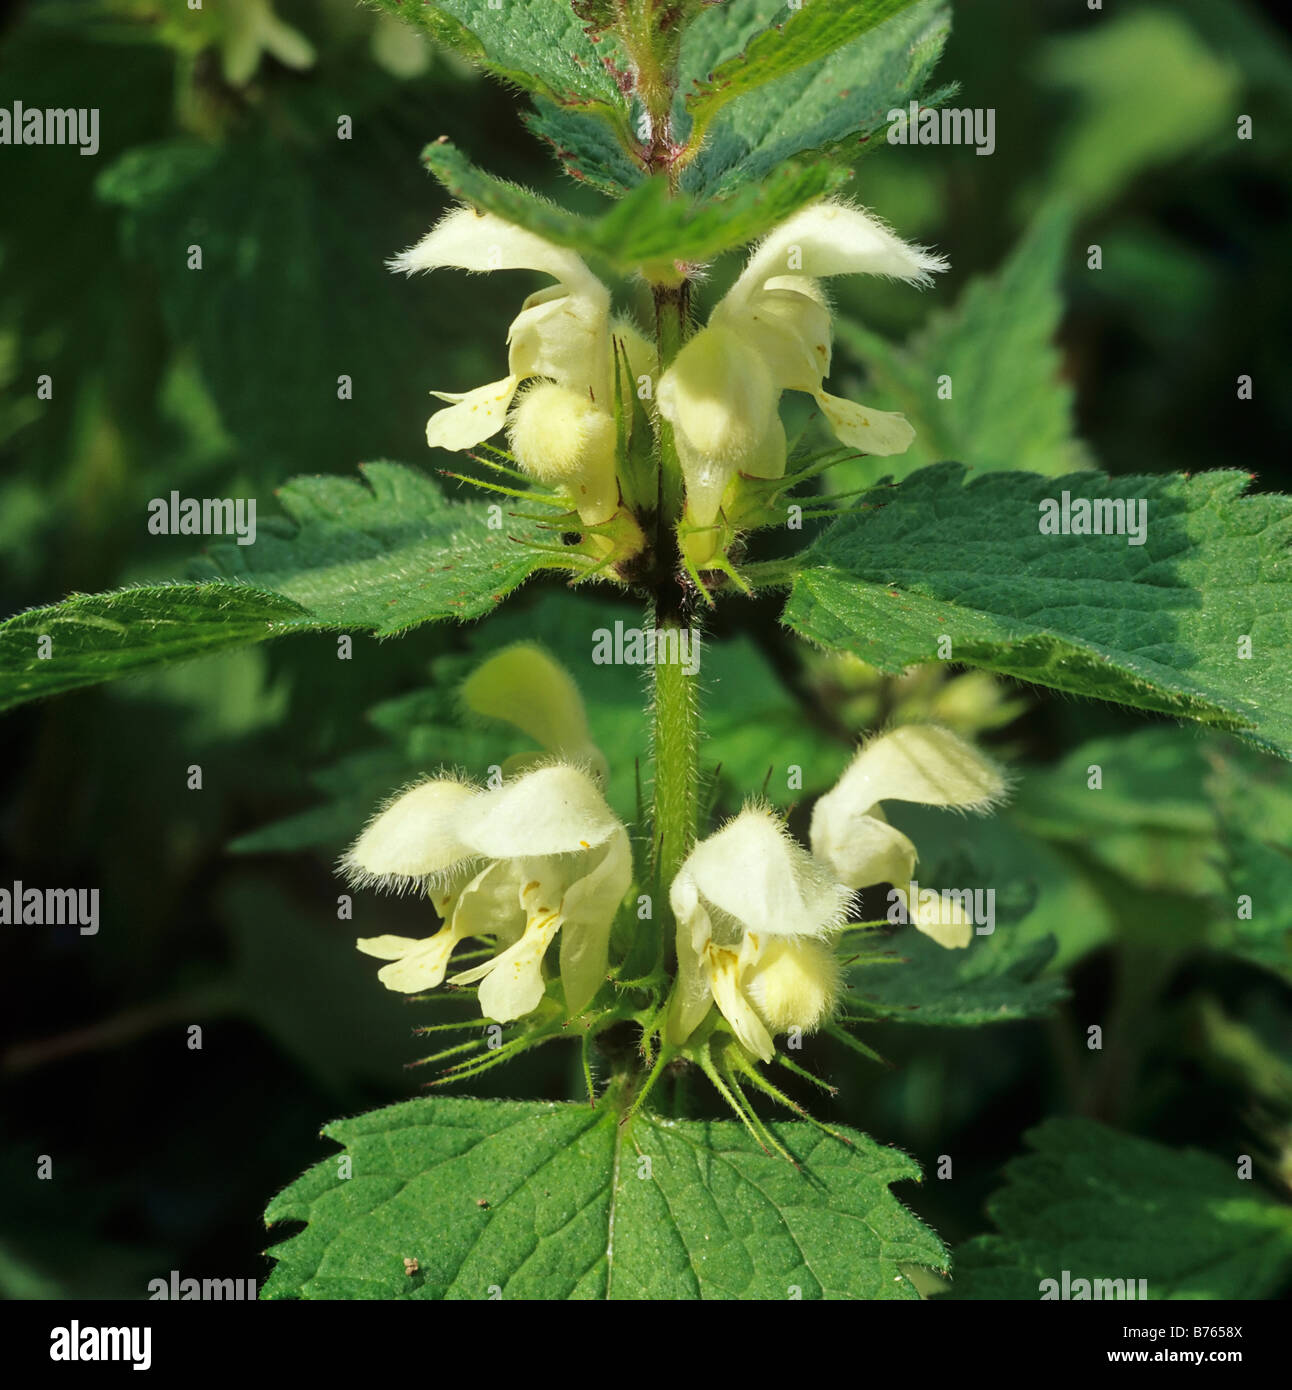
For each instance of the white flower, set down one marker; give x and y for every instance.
(756, 913)
(752, 908)
(918, 762)
(536, 856)
(562, 429)
(772, 333)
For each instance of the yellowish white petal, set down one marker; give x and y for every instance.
(522, 685)
(511, 984)
(861, 427)
(560, 437)
(768, 459)
(490, 904)
(857, 843)
(552, 810)
(720, 399)
(719, 394)
(724, 968)
(940, 917)
(754, 872)
(468, 240)
(794, 984)
(588, 908)
(788, 324)
(413, 838)
(692, 996)
(288, 45)
(565, 336)
(473, 415)
(834, 239)
(415, 965)
(253, 29)
(923, 763)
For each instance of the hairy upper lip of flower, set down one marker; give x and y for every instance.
(536, 856)
(542, 853)
(772, 333)
(563, 431)
(750, 887)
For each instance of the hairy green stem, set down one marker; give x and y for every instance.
(672, 321)
(676, 713)
(676, 733)
(676, 748)
(675, 707)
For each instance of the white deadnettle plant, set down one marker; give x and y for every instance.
(562, 428)
(757, 914)
(772, 333)
(539, 855)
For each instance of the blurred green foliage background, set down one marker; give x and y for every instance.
(1114, 129)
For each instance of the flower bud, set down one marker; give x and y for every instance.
(523, 686)
(562, 438)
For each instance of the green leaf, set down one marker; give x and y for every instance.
(539, 45)
(98, 637)
(718, 34)
(386, 556)
(796, 37)
(996, 979)
(528, 1200)
(586, 146)
(1117, 134)
(1010, 407)
(1154, 626)
(1103, 1205)
(307, 248)
(380, 558)
(648, 230)
(1253, 800)
(1150, 819)
(809, 95)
